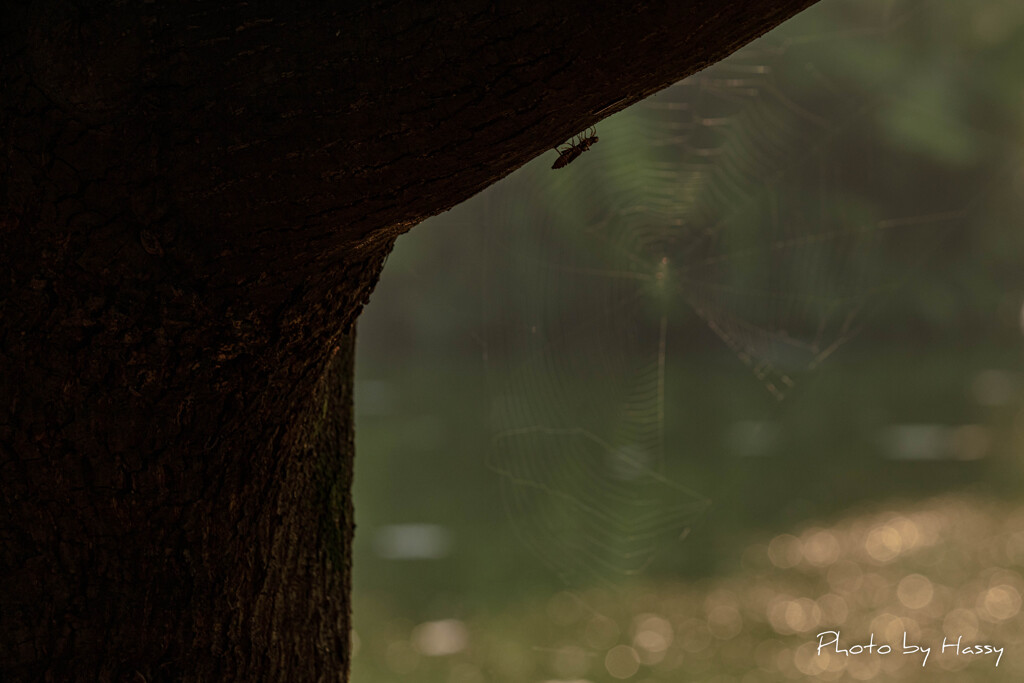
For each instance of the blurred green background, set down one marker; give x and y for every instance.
(746, 371)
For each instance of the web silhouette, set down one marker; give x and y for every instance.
(715, 206)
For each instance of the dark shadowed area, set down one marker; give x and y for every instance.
(196, 202)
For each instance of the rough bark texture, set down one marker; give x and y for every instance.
(196, 199)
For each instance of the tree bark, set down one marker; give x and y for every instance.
(196, 200)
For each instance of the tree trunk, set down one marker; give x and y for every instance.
(195, 202)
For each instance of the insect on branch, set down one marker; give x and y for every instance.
(577, 146)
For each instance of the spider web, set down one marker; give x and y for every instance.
(712, 208)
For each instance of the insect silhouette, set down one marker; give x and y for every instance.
(577, 146)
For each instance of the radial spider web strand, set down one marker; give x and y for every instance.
(593, 508)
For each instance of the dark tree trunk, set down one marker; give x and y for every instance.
(196, 200)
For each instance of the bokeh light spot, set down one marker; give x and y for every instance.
(915, 591)
(622, 662)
